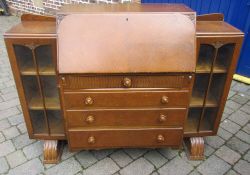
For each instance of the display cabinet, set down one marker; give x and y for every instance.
(32, 49)
(218, 47)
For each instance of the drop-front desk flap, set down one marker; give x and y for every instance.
(130, 40)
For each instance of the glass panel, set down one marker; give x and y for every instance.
(50, 92)
(216, 89)
(38, 122)
(205, 58)
(199, 89)
(55, 122)
(45, 60)
(32, 94)
(208, 120)
(224, 58)
(192, 121)
(25, 60)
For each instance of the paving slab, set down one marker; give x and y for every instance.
(4, 167)
(213, 166)
(135, 153)
(86, 158)
(155, 158)
(105, 166)
(121, 158)
(31, 167)
(230, 126)
(242, 167)
(6, 148)
(176, 166)
(237, 145)
(228, 155)
(67, 167)
(240, 117)
(139, 167)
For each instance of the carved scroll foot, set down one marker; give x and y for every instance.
(52, 151)
(195, 148)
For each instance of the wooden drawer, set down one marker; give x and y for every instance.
(126, 81)
(126, 117)
(113, 138)
(112, 99)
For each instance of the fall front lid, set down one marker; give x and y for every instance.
(126, 41)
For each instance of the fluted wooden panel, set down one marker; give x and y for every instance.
(116, 81)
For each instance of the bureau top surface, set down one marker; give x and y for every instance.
(125, 8)
(48, 29)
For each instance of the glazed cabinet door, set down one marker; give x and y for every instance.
(216, 61)
(33, 62)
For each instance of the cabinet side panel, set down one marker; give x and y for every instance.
(19, 85)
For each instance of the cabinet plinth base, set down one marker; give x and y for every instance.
(52, 151)
(195, 148)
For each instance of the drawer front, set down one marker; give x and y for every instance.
(126, 117)
(126, 81)
(82, 100)
(113, 138)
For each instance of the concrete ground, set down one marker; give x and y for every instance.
(227, 153)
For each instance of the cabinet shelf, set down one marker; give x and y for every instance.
(219, 69)
(51, 103)
(197, 101)
(49, 70)
(203, 68)
(207, 69)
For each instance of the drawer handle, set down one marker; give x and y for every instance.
(162, 118)
(91, 140)
(164, 99)
(160, 138)
(127, 82)
(90, 119)
(89, 101)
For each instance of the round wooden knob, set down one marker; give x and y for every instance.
(164, 99)
(91, 140)
(89, 101)
(127, 82)
(160, 138)
(162, 118)
(90, 119)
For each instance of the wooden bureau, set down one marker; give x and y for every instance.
(116, 76)
(123, 86)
